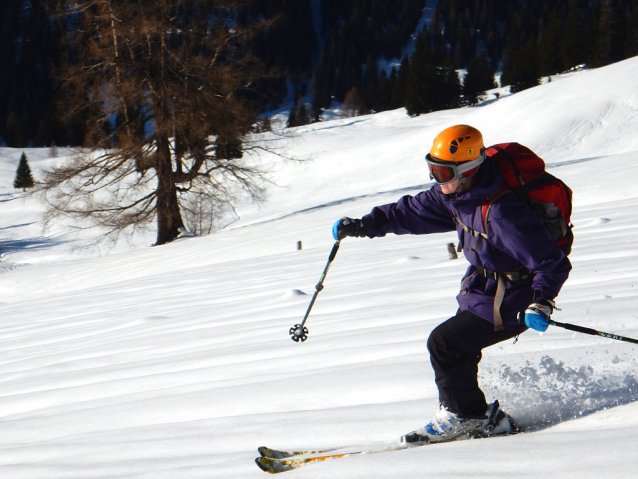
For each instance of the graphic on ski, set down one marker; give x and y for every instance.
(274, 466)
(275, 454)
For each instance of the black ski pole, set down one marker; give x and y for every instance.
(593, 332)
(299, 332)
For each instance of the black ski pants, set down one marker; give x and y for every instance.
(455, 351)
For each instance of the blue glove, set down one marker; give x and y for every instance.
(348, 227)
(537, 316)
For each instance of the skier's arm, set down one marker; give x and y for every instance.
(422, 214)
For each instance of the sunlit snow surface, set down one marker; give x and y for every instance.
(175, 361)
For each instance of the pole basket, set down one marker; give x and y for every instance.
(299, 333)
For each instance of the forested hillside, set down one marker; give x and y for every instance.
(326, 50)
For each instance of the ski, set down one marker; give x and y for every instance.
(275, 461)
(275, 465)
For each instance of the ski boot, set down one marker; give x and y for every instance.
(447, 426)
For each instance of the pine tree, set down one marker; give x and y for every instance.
(612, 30)
(632, 32)
(549, 46)
(430, 87)
(29, 52)
(383, 97)
(479, 78)
(401, 83)
(572, 51)
(418, 92)
(299, 113)
(24, 178)
(521, 68)
(370, 85)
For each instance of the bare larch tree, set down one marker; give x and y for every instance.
(162, 87)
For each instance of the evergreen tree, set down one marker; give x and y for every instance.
(358, 33)
(287, 48)
(292, 116)
(430, 87)
(290, 42)
(299, 113)
(24, 178)
(521, 68)
(383, 97)
(14, 131)
(611, 34)
(549, 46)
(450, 90)
(322, 83)
(370, 85)
(29, 51)
(394, 81)
(572, 51)
(631, 48)
(401, 83)
(418, 92)
(479, 78)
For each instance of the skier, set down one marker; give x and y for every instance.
(516, 270)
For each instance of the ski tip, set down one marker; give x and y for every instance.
(261, 466)
(275, 454)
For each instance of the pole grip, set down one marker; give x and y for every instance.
(333, 253)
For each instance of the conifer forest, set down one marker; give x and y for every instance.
(369, 55)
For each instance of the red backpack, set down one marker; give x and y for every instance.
(524, 175)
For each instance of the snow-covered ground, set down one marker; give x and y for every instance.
(175, 361)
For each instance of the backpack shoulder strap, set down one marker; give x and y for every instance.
(485, 209)
(488, 202)
(467, 229)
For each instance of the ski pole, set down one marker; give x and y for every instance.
(299, 332)
(593, 332)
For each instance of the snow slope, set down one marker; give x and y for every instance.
(175, 361)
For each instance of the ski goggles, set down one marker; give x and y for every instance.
(446, 171)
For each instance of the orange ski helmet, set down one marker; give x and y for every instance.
(458, 143)
(457, 151)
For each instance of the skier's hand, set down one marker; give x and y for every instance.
(537, 316)
(348, 227)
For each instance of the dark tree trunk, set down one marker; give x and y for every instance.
(169, 218)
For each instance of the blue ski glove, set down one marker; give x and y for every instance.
(537, 316)
(348, 227)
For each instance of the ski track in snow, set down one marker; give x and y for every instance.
(175, 361)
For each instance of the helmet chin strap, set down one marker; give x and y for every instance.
(462, 182)
(465, 183)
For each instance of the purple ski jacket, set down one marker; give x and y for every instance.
(516, 238)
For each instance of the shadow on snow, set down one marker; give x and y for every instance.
(27, 244)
